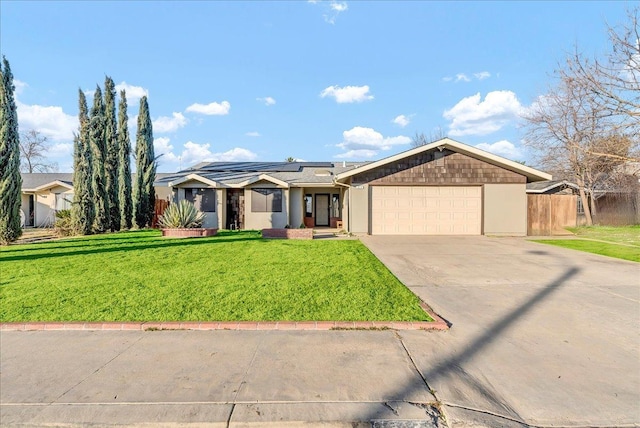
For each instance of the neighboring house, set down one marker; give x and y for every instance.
(617, 205)
(43, 194)
(442, 188)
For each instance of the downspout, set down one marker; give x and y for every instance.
(349, 210)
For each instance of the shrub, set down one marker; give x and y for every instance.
(63, 225)
(181, 215)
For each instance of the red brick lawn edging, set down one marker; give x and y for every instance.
(225, 325)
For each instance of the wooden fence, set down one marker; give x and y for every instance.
(550, 214)
(158, 210)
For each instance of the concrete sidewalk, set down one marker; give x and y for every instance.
(212, 378)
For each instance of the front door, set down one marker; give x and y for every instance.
(322, 209)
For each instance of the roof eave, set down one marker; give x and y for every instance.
(531, 173)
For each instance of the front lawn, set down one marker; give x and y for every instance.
(622, 242)
(235, 276)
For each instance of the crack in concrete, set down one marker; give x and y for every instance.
(439, 414)
(98, 369)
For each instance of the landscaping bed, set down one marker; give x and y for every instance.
(234, 276)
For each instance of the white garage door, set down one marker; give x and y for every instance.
(432, 210)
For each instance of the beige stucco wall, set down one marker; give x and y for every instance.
(163, 192)
(265, 220)
(45, 205)
(211, 219)
(505, 209)
(359, 209)
(221, 208)
(296, 201)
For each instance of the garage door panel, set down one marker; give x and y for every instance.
(426, 210)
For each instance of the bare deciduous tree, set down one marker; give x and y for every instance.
(420, 139)
(33, 151)
(614, 81)
(571, 132)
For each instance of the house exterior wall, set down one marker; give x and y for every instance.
(211, 219)
(24, 205)
(265, 220)
(45, 205)
(359, 209)
(505, 209)
(296, 208)
(221, 208)
(452, 169)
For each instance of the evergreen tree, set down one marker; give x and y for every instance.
(102, 221)
(124, 172)
(10, 179)
(82, 211)
(111, 161)
(144, 192)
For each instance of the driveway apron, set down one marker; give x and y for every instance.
(539, 335)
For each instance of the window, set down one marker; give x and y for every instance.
(203, 199)
(308, 205)
(63, 201)
(266, 200)
(335, 205)
(579, 207)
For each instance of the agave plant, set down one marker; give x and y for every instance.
(181, 215)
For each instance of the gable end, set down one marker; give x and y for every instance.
(438, 168)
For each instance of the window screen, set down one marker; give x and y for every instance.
(266, 200)
(308, 205)
(335, 205)
(203, 199)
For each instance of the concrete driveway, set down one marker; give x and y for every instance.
(540, 335)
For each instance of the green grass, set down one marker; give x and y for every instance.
(139, 276)
(629, 235)
(622, 242)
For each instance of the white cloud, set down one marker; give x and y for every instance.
(339, 6)
(268, 101)
(462, 77)
(347, 94)
(472, 116)
(367, 142)
(402, 120)
(194, 153)
(502, 148)
(162, 148)
(169, 124)
(211, 109)
(20, 85)
(253, 134)
(357, 154)
(332, 9)
(51, 121)
(133, 92)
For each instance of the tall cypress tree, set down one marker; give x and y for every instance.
(82, 212)
(144, 192)
(124, 164)
(102, 221)
(10, 179)
(111, 161)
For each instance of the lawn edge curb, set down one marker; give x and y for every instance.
(438, 324)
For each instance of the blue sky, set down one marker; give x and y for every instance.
(318, 81)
